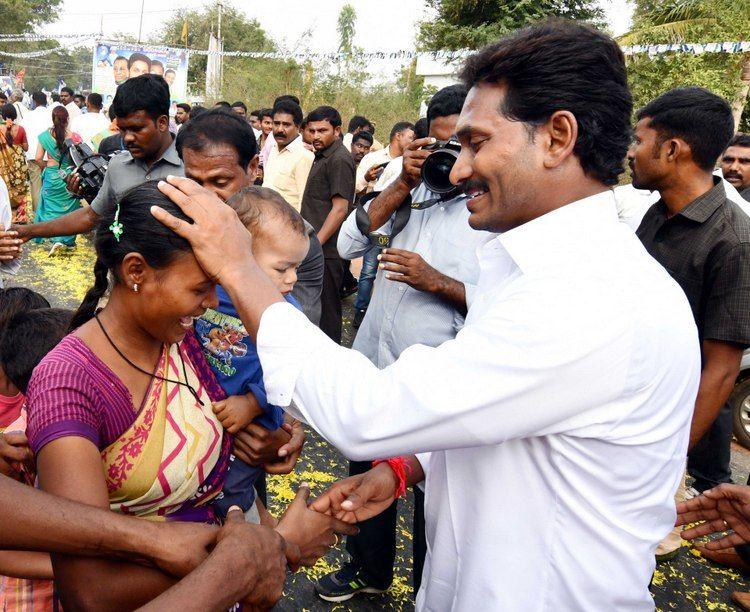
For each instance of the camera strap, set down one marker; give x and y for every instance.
(403, 213)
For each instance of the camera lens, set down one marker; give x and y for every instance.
(436, 170)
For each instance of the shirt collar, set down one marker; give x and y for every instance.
(297, 142)
(330, 150)
(545, 239)
(704, 206)
(170, 156)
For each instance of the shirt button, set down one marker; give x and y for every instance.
(401, 288)
(148, 177)
(442, 208)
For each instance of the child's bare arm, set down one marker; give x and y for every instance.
(237, 411)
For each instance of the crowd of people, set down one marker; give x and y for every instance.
(544, 356)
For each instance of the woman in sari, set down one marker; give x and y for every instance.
(53, 157)
(13, 166)
(129, 391)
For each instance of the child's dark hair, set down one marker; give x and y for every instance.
(18, 299)
(256, 205)
(141, 233)
(28, 337)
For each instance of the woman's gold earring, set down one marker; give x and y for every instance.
(135, 287)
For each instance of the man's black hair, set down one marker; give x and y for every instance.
(39, 98)
(255, 113)
(147, 92)
(358, 121)
(289, 107)
(55, 97)
(184, 106)
(401, 126)
(218, 126)
(223, 104)
(739, 140)
(699, 117)
(446, 102)
(157, 63)
(266, 112)
(67, 90)
(120, 58)
(291, 97)
(95, 100)
(197, 111)
(325, 113)
(111, 112)
(421, 128)
(138, 57)
(240, 104)
(563, 65)
(363, 135)
(168, 70)
(28, 337)
(79, 97)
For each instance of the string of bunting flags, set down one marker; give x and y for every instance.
(448, 56)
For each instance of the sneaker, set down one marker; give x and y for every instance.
(344, 584)
(359, 316)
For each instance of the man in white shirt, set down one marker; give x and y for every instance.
(373, 164)
(551, 431)
(66, 99)
(92, 122)
(16, 98)
(289, 162)
(35, 122)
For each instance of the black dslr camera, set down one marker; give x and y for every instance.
(437, 167)
(90, 167)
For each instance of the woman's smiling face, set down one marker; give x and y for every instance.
(169, 298)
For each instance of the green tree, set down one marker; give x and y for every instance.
(21, 16)
(237, 31)
(694, 21)
(469, 24)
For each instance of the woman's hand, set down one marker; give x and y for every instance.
(277, 450)
(723, 508)
(313, 533)
(359, 497)
(15, 455)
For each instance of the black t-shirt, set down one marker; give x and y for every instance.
(111, 144)
(332, 174)
(706, 249)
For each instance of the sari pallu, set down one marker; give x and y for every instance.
(172, 460)
(54, 198)
(15, 172)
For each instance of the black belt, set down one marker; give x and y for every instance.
(403, 212)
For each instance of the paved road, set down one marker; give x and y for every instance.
(688, 583)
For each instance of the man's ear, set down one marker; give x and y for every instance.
(561, 133)
(162, 123)
(252, 169)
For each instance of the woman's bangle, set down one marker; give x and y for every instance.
(400, 469)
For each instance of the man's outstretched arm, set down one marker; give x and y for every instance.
(77, 222)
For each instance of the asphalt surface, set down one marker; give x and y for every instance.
(686, 583)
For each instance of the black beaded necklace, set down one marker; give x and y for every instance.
(151, 374)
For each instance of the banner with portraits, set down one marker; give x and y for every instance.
(115, 63)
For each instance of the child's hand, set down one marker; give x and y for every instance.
(237, 411)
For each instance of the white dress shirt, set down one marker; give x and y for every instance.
(88, 125)
(399, 315)
(557, 419)
(10, 266)
(372, 159)
(35, 122)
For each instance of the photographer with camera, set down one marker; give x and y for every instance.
(423, 278)
(142, 111)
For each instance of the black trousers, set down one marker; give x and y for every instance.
(374, 548)
(708, 461)
(330, 299)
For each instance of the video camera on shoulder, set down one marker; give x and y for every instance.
(90, 167)
(437, 167)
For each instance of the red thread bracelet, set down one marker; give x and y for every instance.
(400, 469)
